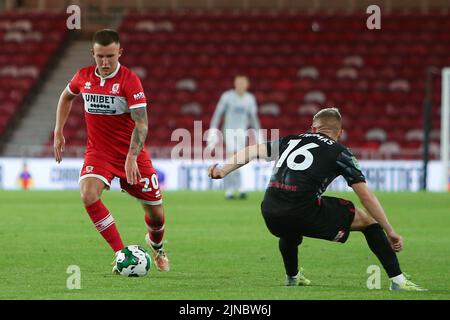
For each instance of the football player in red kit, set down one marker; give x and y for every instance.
(116, 121)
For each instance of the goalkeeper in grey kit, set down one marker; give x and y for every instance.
(239, 109)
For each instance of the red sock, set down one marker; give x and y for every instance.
(104, 223)
(155, 229)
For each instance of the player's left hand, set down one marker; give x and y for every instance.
(396, 241)
(132, 170)
(214, 172)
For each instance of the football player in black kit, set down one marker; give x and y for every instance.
(293, 205)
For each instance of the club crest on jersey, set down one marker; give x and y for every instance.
(115, 88)
(87, 85)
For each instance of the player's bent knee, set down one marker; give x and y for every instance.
(89, 198)
(362, 220)
(90, 190)
(89, 195)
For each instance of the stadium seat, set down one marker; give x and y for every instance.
(347, 73)
(435, 134)
(434, 149)
(308, 109)
(315, 96)
(389, 148)
(376, 134)
(186, 84)
(193, 108)
(414, 135)
(353, 61)
(308, 72)
(269, 109)
(399, 85)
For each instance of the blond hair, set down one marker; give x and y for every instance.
(328, 119)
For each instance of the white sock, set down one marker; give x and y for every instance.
(400, 279)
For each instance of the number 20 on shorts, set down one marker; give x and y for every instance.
(153, 180)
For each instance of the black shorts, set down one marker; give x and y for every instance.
(329, 219)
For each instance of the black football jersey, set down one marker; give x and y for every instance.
(304, 167)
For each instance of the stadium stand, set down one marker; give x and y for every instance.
(376, 79)
(297, 63)
(28, 42)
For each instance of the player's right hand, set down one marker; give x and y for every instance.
(132, 170)
(58, 146)
(214, 172)
(396, 241)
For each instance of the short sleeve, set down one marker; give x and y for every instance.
(349, 168)
(134, 93)
(74, 85)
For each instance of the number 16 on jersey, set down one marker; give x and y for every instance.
(291, 155)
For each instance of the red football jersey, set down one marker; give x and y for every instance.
(107, 104)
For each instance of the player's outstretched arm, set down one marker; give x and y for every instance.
(374, 208)
(62, 113)
(239, 159)
(139, 115)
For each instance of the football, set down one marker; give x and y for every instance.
(133, 261)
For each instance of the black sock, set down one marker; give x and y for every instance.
(157, 247)
(379, 244)
(289, 251)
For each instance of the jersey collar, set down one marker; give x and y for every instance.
(112, 75)
(243, 96)
(325, 135)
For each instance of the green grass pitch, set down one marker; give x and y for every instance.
(218, 250)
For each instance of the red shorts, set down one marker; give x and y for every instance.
(146, 190)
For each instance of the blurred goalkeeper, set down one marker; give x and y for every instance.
(240, 113)
(293, 205)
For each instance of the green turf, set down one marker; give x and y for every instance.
(218, 250)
